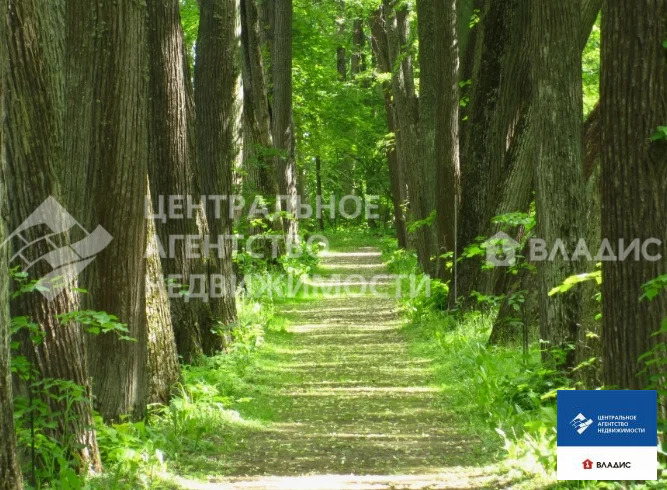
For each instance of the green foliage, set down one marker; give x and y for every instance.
(591, 69)
(96, 322)
(341, 122)
(414, 226)
(660, 134)
(190, 23)
(572, 281)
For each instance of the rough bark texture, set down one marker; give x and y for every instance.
(219, 109)
(258, 142)
(119, 159)
(381, 49)
(558, 167)
(172, 165)
(35, 133)
(447, 133)
(408, 146)
(633, 103)
(10, 472)
(517, 185)
(162, 364)
(499, 91)
(282, 130)
(428, 86)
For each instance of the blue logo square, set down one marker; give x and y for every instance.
(607, 418)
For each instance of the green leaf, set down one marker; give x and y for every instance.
(660, 134)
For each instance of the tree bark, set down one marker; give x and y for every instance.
(218, 100)
(408, 146)
(517, 185)
(164, 371)
(258, 141)
(381, 49)
(35, 132)
(172, 166)
(358, 58)
(428, 86)
(498, 94)
(282, 129)
(447, 196)
(108, 183)
(10, 472)
(559, 165)
(633, 103)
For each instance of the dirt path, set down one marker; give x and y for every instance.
(353, 407)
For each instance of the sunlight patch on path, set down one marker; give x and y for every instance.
(449, 478)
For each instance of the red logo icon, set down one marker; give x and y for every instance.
(588, 464)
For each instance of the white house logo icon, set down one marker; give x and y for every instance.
(580, 423)
(501, 250)
(46, 235)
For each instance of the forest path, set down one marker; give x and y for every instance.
(352, 406)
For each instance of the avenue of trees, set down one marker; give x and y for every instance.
(453, 111)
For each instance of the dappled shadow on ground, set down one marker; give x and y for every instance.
(349, 399)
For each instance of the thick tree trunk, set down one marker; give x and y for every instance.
(218, 100)
(633, 103)
(282, 130)
(498, 93)
(10, 472)
(163, 368)
(559, 166)
(380, 46)
(447, 134)
(172, 166)
(120, 158)
(517, 186)
(258, 141)
(428, 86)
(107, 92)
(35, 132)
(408, 146)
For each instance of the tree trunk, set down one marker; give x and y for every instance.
(258, 142)
(282, 130)
(408, 146)
(35, 132)
(498, 94)
(633, 103)
(163, 368)
(447, 134)
(358, 59)
(10, 472)
(218, 100)
(318, 177)
(559, 165)
(428, 86)
(381, 49)
(172, 166)
(517, 185)
(107, 93)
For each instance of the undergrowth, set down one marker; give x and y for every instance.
(506, 396)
